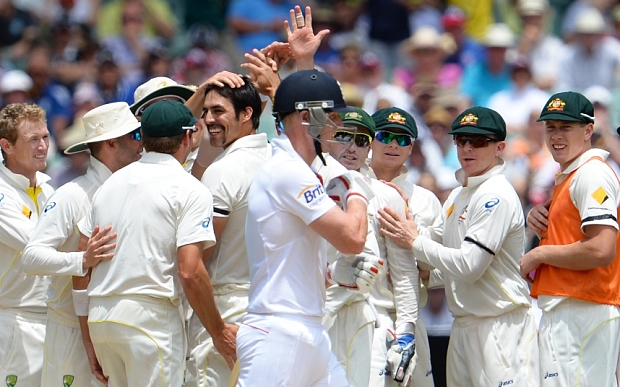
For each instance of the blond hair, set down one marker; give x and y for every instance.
(14, 115)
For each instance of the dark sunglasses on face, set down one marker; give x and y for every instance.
(360, 139)
(386, 137)
(477, 141)
(136, 135)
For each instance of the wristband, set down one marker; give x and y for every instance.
(80, 302)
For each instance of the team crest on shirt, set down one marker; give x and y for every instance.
(312, 195)
(26, 211)
(397, 118)
(11, 380)
(67, 380)
(557, 105)
(600, 195)
(469, 119)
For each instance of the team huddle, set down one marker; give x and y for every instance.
(304, 260)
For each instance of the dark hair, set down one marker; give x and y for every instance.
(167, 145)
(95, 148)
(240, 98)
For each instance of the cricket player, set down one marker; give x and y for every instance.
(113, 139)
(577, 265)
(290, 217)
(24, 140)
(352, 318)
(394, 136)
(231, 117)
(475, 248)
(158, 89)
(163, 219)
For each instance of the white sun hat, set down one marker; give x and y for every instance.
(105, 122)
(157, 89)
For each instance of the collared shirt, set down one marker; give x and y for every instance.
(229, 178)
(155, 207)
(287, 257)
(53, 244)
(482, 226)
(580, 69)
(20, 206)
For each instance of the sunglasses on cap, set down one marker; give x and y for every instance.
(192, 129)
(386, 137)
(136, 135)
(477, 141)
(360, 139)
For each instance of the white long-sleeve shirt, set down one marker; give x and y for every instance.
(53, 244)
(20, 206)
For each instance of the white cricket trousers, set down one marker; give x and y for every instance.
(422, 374)
(139, 340)
(579, 344)
(66, 362)
(494, 351)
(205, 366)
(286, 350)
(22, 334)
(351, 333)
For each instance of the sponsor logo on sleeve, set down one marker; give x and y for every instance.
(206, 222)
(491, 205)
(49, 206)
(600, 195)
(312, 195)
(506, 383)
(551, 375)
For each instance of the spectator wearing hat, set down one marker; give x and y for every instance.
(112, 85)
(541, 49)
(291, 210)
(481, 234)
(15, 87)
(145, 324)
(396, 131)
(592, 58)
(111, 134)
(425, 47)
(481, 80)
(577, 264)
(516, 103)
(467, 50)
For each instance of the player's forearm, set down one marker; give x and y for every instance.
(199, 293)
(467, 264)
(41, 260)
(405, 282)
(356, 227)
(581, 255)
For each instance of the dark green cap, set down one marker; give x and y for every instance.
(568, 106)
(166, 118)
(480, 120)
(358, 117)
(395, 118)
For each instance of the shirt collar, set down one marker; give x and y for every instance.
(21, 181)
(159, 158)
(579, 161)
(475, 181)
(250, 141)
(283, 144)
(98, 171)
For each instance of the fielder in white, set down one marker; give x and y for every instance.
(290, 217)
(113, 139)
(24, 140)
(163, 218)
(475, 247)
(231, 116)
(394, 138)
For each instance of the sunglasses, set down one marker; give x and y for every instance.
(386, 137)
(192, 129)
(476, 141)
(136, 135)
(360, 139)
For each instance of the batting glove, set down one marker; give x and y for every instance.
(400, 356)
(349, 186)
(357, 273)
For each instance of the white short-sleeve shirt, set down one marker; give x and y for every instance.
(155, 207)
(287, 257)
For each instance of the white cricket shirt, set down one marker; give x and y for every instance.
(155, 207)
(229, 178)
(53, 244)
(20, 206)
(287, 257)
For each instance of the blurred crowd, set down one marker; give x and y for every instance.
(432, 58)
